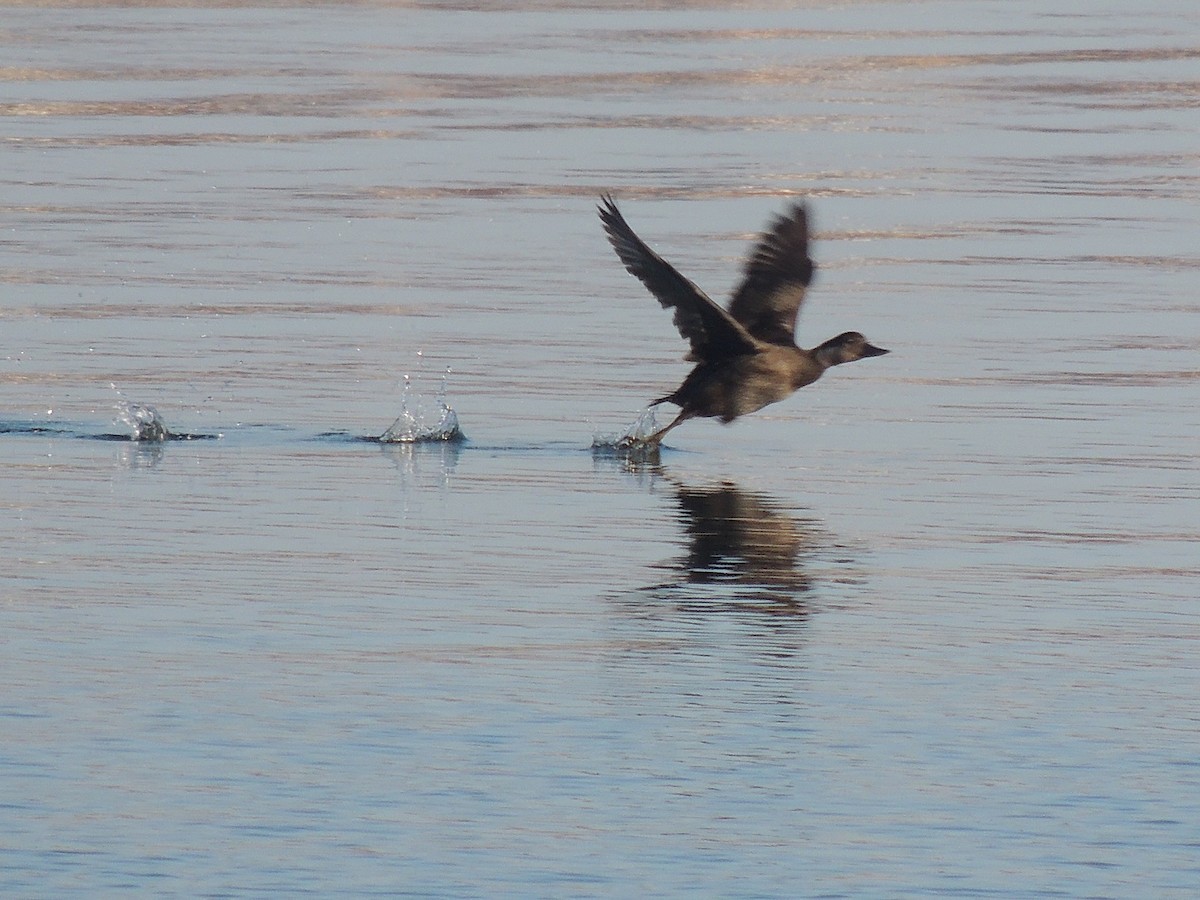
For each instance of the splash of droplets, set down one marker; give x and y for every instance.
(422, 420)
(634, 441)
(144, 422)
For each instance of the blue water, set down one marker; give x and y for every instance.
(928, 627)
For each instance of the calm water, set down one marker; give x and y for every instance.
(929, 627)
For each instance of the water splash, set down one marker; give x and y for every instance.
(634, 442)
(144, 422)
(423, 420)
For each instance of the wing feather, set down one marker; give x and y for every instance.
(712, 332)
(776, 276)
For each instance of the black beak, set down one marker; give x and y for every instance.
(870, 350)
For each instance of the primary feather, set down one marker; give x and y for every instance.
(711, 331)
(776, 277)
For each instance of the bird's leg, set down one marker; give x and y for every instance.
(657, 437)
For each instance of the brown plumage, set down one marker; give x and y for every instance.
(746, 357)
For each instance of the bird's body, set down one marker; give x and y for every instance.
(739, 385)
(746, 357)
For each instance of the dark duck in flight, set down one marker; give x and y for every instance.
(746, 357)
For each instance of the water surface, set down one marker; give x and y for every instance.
(928, 627)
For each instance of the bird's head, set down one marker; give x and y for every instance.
(845, 348)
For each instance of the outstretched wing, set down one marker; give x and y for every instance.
(712, 332)
(777, 273)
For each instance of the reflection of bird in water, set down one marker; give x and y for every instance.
(749, 550)
(746, 357)
(739, 538)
